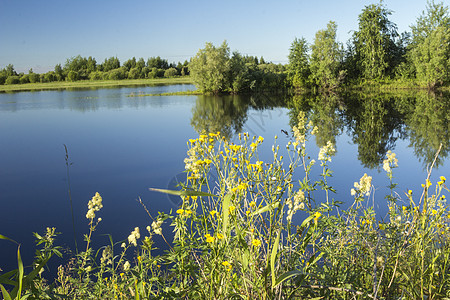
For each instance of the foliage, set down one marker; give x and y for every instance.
(430, 52)
(326, 59)
(298, 68)
(374, 41)
(209, 68)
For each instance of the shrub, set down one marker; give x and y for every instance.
(171, 72)
(12, 80)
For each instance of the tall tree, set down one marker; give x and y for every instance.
(375, 42)
(298, 68)
(430, 52)
(326, 58)
(209, 67)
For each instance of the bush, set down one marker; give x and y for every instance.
(12, 80)
(72, 76)
(25, 79)
(171, 72)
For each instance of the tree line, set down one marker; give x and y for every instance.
(82, 68)
(376, 52)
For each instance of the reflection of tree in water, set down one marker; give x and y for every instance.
(323, 110)
(226, 114)
(375, 124)
(428, 126)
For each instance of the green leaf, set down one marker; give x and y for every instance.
(19, 260)
(286, 276)
(182, 193)
(2, 237)
(225, 212)
(273, 257)
(265, 208)
(6, 296)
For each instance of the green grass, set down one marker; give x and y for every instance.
(92, 84)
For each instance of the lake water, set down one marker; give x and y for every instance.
(120, 146)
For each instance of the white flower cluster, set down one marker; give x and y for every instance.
(363, 187)
(156, 226)
(134, 236)
(126, 266)
(390, 162)
(95, 204)
(326, 152)
(295, 205)
(107, 255)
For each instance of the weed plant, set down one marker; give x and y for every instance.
(234, 236)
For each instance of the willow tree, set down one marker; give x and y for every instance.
(298, 68)
(430, 52)
(209, 68)
(374, 42)
(326, 58)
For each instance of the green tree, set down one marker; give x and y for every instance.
(170, 72)
(326, 58)
(298, 68)
(129, 64)
(430, 52)
(374, 42)
(209, 67)
(110, 64)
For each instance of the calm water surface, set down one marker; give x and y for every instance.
(120, 146)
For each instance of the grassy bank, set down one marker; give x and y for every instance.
(92, 84)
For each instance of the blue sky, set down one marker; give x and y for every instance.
(40, 34)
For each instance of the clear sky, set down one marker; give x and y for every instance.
(39, 34)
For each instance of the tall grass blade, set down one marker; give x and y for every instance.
(273, 257)
(70, 197)
(225, 212)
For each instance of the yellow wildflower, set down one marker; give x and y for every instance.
(180, 211)
(256, 243)
(231, 209)
(220, 236)
(209, 238)
(213, 212)
(317, 216)
(442, 178)
(139, 258)
(252, 204)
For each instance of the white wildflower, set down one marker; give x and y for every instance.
(295, 205)
(364, 185)
(326, 152)
(95, 204)
(156, 226)
(126, 266)
(390, 162)
(134, 236)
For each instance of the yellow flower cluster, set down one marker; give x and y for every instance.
(186, 212)
(209, 238)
